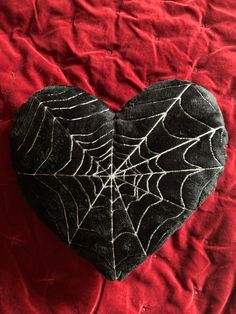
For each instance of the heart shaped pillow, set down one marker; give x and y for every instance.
(115, 186)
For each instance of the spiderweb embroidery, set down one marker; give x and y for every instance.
(118, 169)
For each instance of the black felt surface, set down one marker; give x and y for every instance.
(115, 186)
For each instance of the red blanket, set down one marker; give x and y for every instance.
(113, 49)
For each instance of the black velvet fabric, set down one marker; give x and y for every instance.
(115, 186)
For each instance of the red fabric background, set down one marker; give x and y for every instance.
(113, 49)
